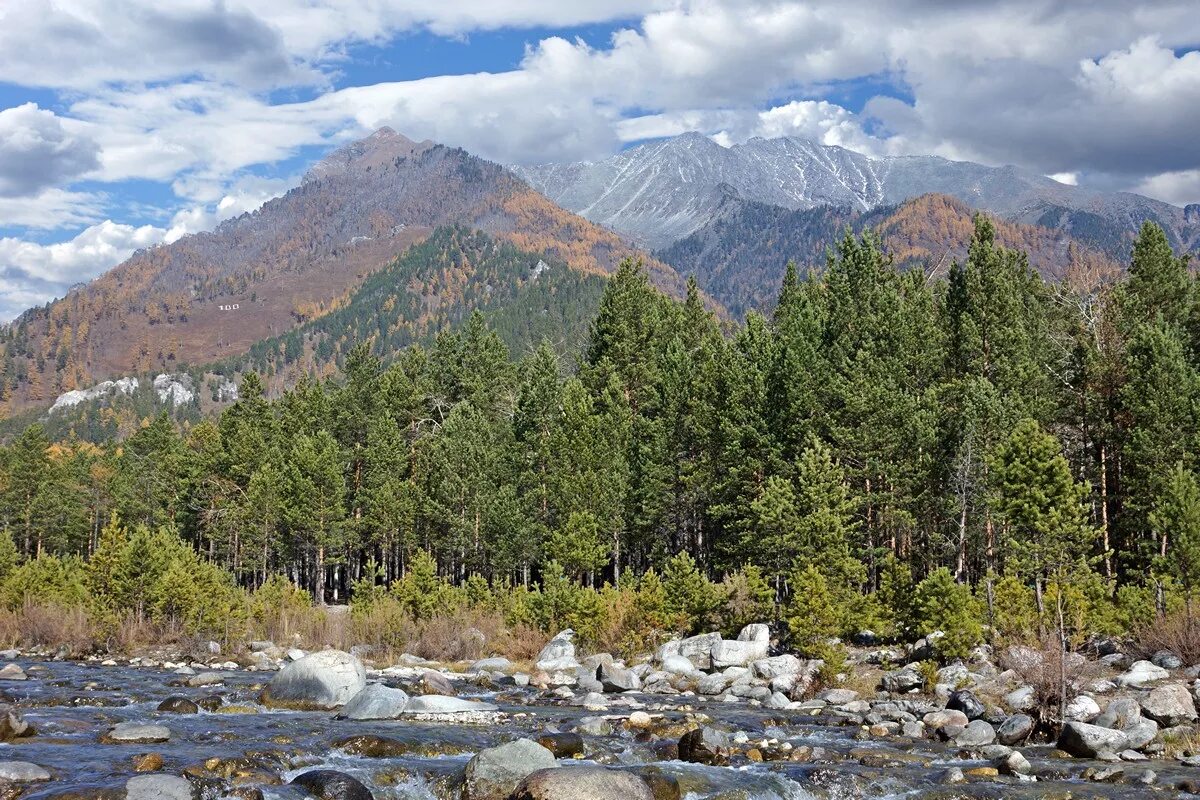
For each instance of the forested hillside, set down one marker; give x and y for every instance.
(992, 445)
(740, 256)
(211, 296)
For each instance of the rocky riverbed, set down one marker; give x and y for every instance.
(704, 718)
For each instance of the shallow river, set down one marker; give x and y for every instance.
(72, 705)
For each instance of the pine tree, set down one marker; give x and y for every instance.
(1176, 522)
(315, 502)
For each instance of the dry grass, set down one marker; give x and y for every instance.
(48, 626)
(1177, 632)
(456, 636)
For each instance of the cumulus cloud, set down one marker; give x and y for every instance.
(32, 274)
(37, 151)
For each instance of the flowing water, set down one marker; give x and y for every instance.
(72, 705)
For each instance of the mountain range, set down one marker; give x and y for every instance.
(393, 240)
(660, 192)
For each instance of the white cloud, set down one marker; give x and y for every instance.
(37, 151)
(52, 209)
(1180, 188)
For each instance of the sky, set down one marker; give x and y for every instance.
(128, 123)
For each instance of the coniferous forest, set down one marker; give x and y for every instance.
(887, 450)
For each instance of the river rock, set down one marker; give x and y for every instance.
(493, 774)
(582, 783)
(370, 745)
(755, 632)
(434, 682)
(705, 745)
(1023, 698)
(949, 718)
(698, 649)
(160, 787)
(375, 701)
(136, 733)
(1013, 763)
(559, 653)
(13, 672)
(1090, 741)
(317, 682)
(438, 708)
(617, 679)
(565, 744)
(902, 681)
(1141, 673)
(205, 679)
(178, 705)
(680, 665)
(329, 784)
(1139, 733)
(977, 734)
(1166, 660)
(1082, 709)
(966, 702)
(22, 772)
(492, 665)
(737, 654)
(13, 726)
(1015, 729)
(1169, 705)
(771, 668)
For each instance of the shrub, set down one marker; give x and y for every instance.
(47, 581)
(942, 604)
(200, 597)
(278, 607)
(690, 597)
(1014, 609)
(747, 598)
(1176, 631)
(814, 615)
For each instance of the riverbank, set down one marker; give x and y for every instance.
(704, 716)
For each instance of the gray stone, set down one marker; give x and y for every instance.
(1015, 729)
(1082, 709)
(440, 704)
(1090, 741)
(713, 684)
(755, 632)
(376, 701)
(1120, 713)
(319, 681)
(966, 702)
(1139, 733)
(1141, 673)
(770, 668)
(1013, 764)
(13, 672)
(205, 679)
(493, 774)
(136, 733)
(938, 720)
(583, 783)
(616, 679)
(1023, 698)
(698, 649)
(160, 787)
(559, 653)
(836, 697)
(1166, 660)
(679, 665)
(178, 705)
(977, 734)
(705, 745)
(902, 681)
(1169, 705)
(492, 665)
(433, 682)
(737, 654)
(22, 772)
(329, 784)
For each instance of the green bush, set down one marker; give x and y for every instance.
(48, 580)
(942, 604)
(814, 615)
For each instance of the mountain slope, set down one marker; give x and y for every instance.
(211, 296)
(739, 257)
(659, 192)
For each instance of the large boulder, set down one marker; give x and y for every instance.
(582, 783)
(617, 679)
(160, 787)
(771, 668)
(737, 654)
(434, 682)
(1082, 709)
(438, 708)
(902, 681)
(375, 701)
(317, 682)
(1090, 741)
(559, 653)
(136, 733)
(698, 649)
(1141, 673)
(1169, 705)
(493, 774)
(755, 632)
(978, 733)
(329, 784)
(680, 665)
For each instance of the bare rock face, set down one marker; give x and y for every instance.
(582, 783)
(319, 681)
